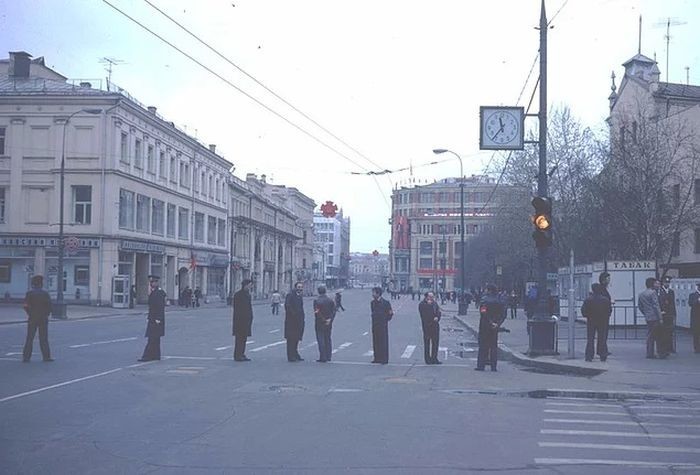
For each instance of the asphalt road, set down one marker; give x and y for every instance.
(96, 410)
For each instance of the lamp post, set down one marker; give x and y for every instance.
(462, 308)
(59, 307)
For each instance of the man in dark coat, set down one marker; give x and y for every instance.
(242, 319)
(155, 327)
(604, 327)
(596, 310)
(37, 305)
(381, 314)
(694, 304)
(339, 301)
(492, 310)
(667, 301)
(294, 321)
(324, 313)
(430, 321)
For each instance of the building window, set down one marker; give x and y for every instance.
(426, 248)
(676, 245)
(162, 169)
(137, 153)
(195, 181)
(156, 264)
(143, 213)
(126, 209)
(204, 183)
(221, 232)
(82, 204)
(211, 230)
(330, 260)
(5, 272)
(124, 148)
(150, 162)
(218, 190)
(211, 186)
(158, 217)
(2, 140)
(173, 169)
(442, 247)
(183, 219)
(81, 275)
(171, 221)
(184, 174)
(199, 227)
(2, 205)
(425, 263)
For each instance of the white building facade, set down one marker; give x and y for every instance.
(332, 240)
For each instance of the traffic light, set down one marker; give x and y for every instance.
(542, 221)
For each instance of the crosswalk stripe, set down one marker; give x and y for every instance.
(268, 346)
(639, 448)
(618, 423)
(408, 351)
(341, 347)
(675, 416)
(629, 463)
(618, 406)
(603, 433)
(369, 353)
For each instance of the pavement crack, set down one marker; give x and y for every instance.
(210, 428)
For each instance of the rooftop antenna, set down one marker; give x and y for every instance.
(110, 63)
(669, 21)
(639, 44)
(687, 75)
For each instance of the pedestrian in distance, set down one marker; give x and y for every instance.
(242, 320)
(604, 328)
(37, 305)
(324, 313)
(430, 314)
(694, 304)
(513, 304)
(382, 313)
(197, 296)
(492, 315)
(667, 302)
(294, 321)
(155, 322)
(275, 301)
(339, 301)
(648, 304)
(596, 311)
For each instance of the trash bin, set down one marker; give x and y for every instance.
(543, 337)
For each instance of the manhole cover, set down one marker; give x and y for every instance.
(401, 380)
(281, 388)
(450, 329)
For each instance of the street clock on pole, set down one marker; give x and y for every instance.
(501, 128)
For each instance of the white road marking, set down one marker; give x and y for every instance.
(637, 448)
(222, 348)
(66, 383)
(345, 390)
(603, 433)
(617, 406)
(311, 345)
(617, 423)
(675, 416)
(369, 353)
(630, 463)
(189, 358)
(400, 365)
(274, 331)
(365, 334)
(260, 348)
(103, 342)
(341, 347)
(408, 351)
(13, 353)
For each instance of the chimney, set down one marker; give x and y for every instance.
(263, 178)
(212, 147)
(19, 65)
(85, 84)
(250, 177)
(152, 109)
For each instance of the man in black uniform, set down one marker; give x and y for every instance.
(667, 301)
(493, 314)
(381, 314)
(37, 304)
(694, 304)
(596, 310)
(155, 327)
(242, 320)
(294, 322)
(430, 321)
(324, 312)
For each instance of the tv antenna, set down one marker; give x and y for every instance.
(110, 63)
(668, 23)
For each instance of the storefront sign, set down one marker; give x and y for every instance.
(625, 265)
(142, 246)
(37, 241)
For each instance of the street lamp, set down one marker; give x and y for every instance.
(462, 309)
(59, 307)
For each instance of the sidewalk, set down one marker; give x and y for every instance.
(627, 355)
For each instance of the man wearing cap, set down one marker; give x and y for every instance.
(37, 304)
(694, 304)
(242, 320)
(667, 301)
(155, 327)
(492, 311)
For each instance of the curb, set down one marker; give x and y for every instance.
(506, 353)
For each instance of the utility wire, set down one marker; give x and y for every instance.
(257, 101)
(557, 13)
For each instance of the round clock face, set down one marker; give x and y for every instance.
(502, 127)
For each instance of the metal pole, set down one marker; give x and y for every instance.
(572, 310)
(60, 311)
(542, 188)
(462, 306)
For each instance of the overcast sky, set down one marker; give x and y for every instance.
(392, 79)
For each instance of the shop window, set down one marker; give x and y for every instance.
(171, 220)
(82, 204)
(183, 219)
(81, 275)
(126, 209)
(211, 230)
(2, 205)
(199, 227)
(221, 232)
(5, 271)
(143, 213)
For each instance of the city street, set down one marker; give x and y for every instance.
(97, 410)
